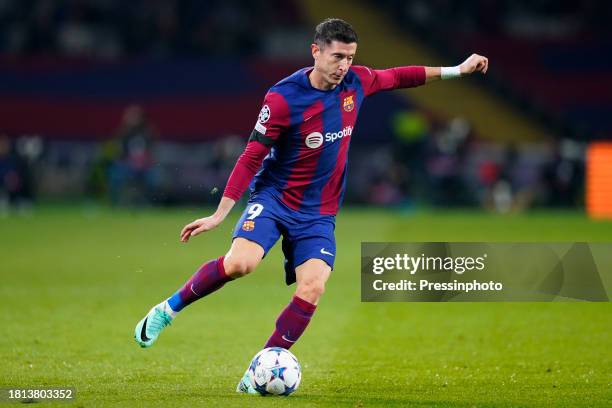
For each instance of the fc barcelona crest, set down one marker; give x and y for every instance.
(248, 225)
(348, 103)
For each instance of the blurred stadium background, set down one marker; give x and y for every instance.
(118, 119)
(151, 102)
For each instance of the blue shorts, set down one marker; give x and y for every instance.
(305, 236)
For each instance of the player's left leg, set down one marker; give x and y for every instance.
(311, 278)
(309, 246)
(293, 320)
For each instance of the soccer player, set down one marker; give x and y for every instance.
(295, 162)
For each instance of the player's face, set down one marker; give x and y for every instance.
(333, 60)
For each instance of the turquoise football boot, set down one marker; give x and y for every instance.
(148, 329)
(245, 386)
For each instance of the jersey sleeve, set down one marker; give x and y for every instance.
(273, 119)
(376, 80)
(247, 165)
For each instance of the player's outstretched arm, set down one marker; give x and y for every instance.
(474, 63)
(376, 80)
(207, 223)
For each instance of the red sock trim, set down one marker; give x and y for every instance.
(221, 267)
(303, 305)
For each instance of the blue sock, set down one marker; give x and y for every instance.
(176, 303)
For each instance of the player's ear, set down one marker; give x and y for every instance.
(314, 48)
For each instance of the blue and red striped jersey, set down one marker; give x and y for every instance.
(309, 132)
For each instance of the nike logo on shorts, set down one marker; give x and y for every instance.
(324, 252)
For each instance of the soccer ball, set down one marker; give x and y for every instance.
(274, 370)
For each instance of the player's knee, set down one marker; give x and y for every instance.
(237, 267)
(311, 290)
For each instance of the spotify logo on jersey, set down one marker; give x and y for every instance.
(314, 140)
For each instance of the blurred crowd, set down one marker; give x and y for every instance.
(442, 163)
(17, 161)
(429, 162)
(114, 28)
(422, 160)
(523, 18)
(551, 59)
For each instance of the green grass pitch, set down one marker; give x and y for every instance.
(74, 283)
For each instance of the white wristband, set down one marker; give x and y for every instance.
(450, 72)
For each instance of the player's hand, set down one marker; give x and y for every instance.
(198, 226)
(475, 63)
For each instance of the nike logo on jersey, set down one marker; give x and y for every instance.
(324, 252)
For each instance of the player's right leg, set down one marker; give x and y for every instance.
(240, 260)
